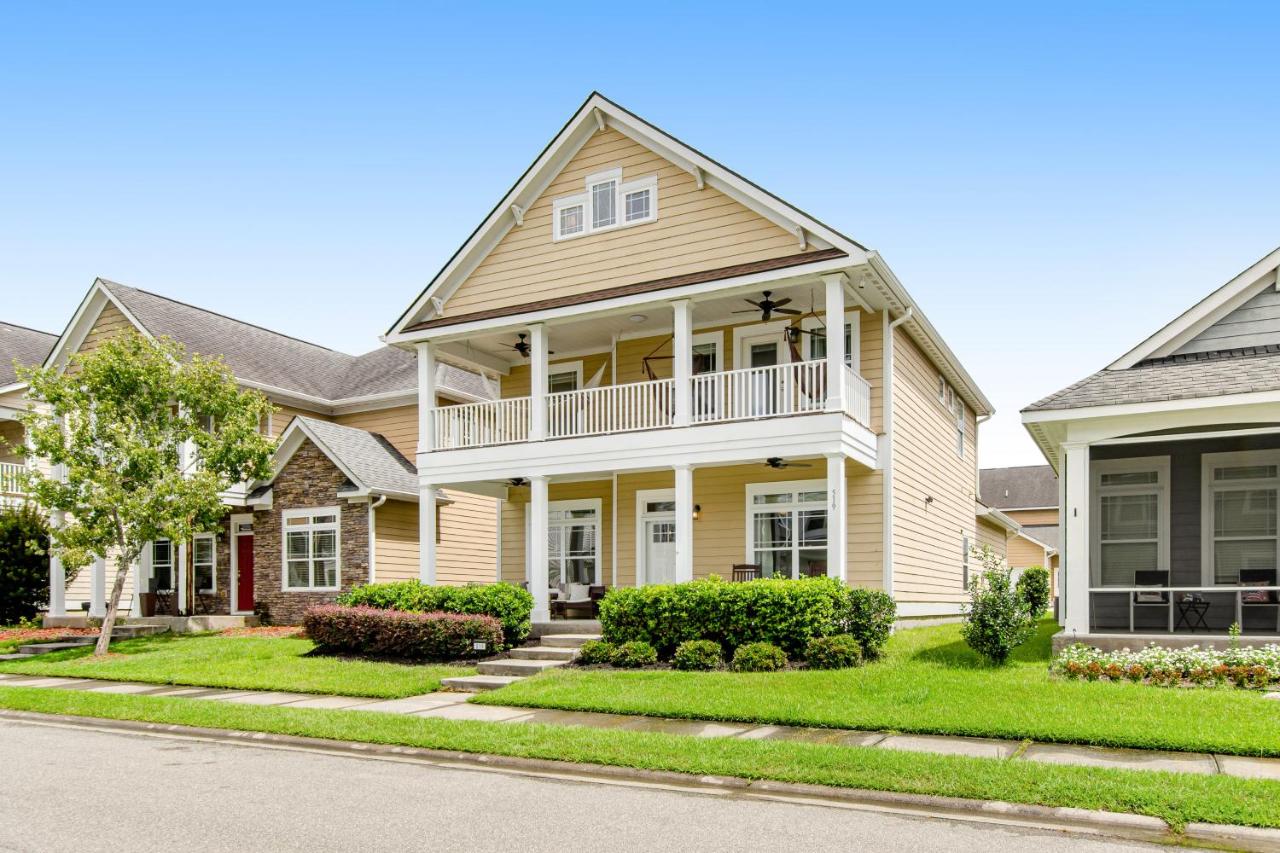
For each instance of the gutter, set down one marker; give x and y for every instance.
(373, 509)
(886, 455)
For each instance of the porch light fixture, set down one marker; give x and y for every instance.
(638, 318)
(697, 511)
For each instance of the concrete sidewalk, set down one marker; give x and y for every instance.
(454, 706)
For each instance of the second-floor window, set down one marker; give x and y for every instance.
(605, 203)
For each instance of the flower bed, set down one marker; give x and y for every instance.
(1196, 665)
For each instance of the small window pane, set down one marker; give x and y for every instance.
(204, 550)
(298, 521)
(704, 359)
(773, 529)
(813, 563)
(1121, 560)
(637, 205)
(660, 506)
(813, 527)
(160, 552)
(774, 564)
(1245, 472)
(324, 519)
(784, 498)
(326, 572)
(298, 573)
(1231, 556)
(1246, 512)
(603, 204)
(298, 545)
(325, 543)
(571, 220)
(582, 513)
(1129, 517)
(1130, 478)
(812, 497)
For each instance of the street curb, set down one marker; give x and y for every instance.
(1080, 821)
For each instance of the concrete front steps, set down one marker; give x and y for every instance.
(121, 632)
(553, 650)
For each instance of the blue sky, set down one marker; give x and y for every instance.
(1051, 183)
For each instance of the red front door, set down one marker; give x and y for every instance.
(244, 574)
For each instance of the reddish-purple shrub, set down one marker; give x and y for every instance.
(419, 636)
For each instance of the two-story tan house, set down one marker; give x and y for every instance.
(18, 346)
(696, 378)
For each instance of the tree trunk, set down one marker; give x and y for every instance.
(113, 607)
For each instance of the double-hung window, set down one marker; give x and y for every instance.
(573, 546)
(312, 548)
(162, 565)
(1239, 505)
(1131, 508)
(204, 559)
(605, 203)
(787, 528)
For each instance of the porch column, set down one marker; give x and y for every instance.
(427, 535)
(835, 341)
(98, 588)
(426, 397)
(684, 523)
(837, 518)
(181, 573)
(539, 557)
(57, 578)
(135, 606)
(1075, 552)
(538, 382)
(682, 360)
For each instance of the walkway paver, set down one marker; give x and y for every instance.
(454, 706)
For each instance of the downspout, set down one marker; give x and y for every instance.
(373, 508)
(886, 460)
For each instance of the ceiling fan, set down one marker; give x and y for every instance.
(523, 346)
(777, 463)
(517, 482)
(768, 307)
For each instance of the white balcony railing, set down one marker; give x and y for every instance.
(760, 392)
(857, 397)
(612, 408)
(482, 424)
(11, 478)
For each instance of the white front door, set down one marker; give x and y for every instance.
(660, 550)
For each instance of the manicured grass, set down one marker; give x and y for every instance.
(931, 682)
(1177, 798)
(247, 663)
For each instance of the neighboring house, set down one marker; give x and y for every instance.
(1169, 467)
(1027, 494)
(697, 379)
(18, 346)
(344, 491)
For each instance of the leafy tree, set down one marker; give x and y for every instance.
(1033, 588)
(24, 562)
(996, 619)
(145, 439)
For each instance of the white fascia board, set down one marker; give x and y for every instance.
(998, 518)
(292, 439)
(1157, 407)
(9, 389)
(1200, 316)
(82, 322)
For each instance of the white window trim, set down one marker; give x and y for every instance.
(853, 358)
(1209, 461)
(213, 567)
(335, 525)
(1159, 464)
(643, 497)
(574, 367)
(173, 563)
(585, 198)
(716, 338)
(596, 504)
(793, 486)
(773, 329)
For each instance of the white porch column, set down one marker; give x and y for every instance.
(682, 362)
(98, 588)
(135, 606)
(684, 523)
(835, 341)
(538, 382)
(57, 578)
(539, 558)
(427, 535)
(837, 518)
(180, 590)
(1075, 521)
(426, 397)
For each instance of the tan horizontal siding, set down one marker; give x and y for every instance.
(468, 547)
(81, 588)
(1033, 516)
(1024, 553)
(513, 525)
(398, 425)
(994, 536)
(110, 323)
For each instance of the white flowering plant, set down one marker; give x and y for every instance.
(1248, 667)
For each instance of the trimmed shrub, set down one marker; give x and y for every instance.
(1033, 589)
(702, 655)
(759, 657)
(869, 618)
(841, 651)
(507, 603)
(24, 563)
(417, 636)
(787, 613)
(996, 620)
(595, 652)
(634, 654)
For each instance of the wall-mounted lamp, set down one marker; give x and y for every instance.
(697, 511)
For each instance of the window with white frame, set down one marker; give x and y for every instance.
(1240, 507)
(605, 203)
(312, 548)
(787, 528)
(573, 544)
(852, 334)
(1131, 508)
(204, 560)
(162, 565)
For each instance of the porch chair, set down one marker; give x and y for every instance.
(1158, 596)
(816, 569)
(1258, 598)
(746, 572)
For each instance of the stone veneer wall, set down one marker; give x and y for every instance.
(309, 480)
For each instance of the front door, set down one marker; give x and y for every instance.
(660, 550)
(244, 573)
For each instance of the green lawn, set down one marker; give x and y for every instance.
(930, 682)
(247, 663)
(1177, 798)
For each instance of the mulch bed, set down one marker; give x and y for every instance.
(42, 634)
(269, 631)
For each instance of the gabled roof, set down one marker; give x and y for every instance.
(1042, 534)
(27, 347)
(1020, 487)
(263, 358)
(367, 459)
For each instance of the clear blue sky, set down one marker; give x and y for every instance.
(1051, 184)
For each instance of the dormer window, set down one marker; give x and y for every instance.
(607, 203)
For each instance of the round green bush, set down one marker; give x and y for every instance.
(840, 651)
(634, 654)
(1033, 589)
(699, 655)
(595, 652)
(869, 617)
(759, 657)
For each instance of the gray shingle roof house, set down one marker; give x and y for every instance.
(1020, 487)
(370, 462)
(24, 346)
(1170, 462)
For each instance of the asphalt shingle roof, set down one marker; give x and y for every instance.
(274, 359)
(1046, 533)
(1214, 374)
(26, 346)
(1020, 487)
(368, 456)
